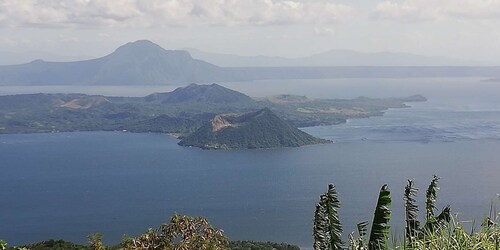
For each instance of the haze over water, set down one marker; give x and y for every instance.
(69, 185)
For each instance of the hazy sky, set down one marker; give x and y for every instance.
(465, 29)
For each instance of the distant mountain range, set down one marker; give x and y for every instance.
(332, 58)
(140, 62)
(10, 57)
(145, 63)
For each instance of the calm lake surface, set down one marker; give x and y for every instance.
(69, 185)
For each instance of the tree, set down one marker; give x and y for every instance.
(181, 233)
(95, 241)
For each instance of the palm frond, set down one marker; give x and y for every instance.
(362, 229)
(433, 222)
(445, 216)
(411, 211)
(335, 227)
(327, 231)
(431, 196)
(379, 234)
(321, 225)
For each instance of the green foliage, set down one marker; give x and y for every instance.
(379, 235)
(181, 111)
(360, 242)
(66, 245)
(335, 227)
(321, 232)
(56, 245)
(194, 93)
(444, 217)
(253, 245)
(183, 232)
(454, 236)
(259, 129)
(433, 222)
(327, 227)
(411, 212)
(95, 241)
(446, 232)
(431, 196)
(3, 245)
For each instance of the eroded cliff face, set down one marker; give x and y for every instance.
(221, 121)
(257, 129)
(84, 103)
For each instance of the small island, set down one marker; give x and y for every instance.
(259, 129)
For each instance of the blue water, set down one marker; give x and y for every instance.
(69, 185)
(423, 122)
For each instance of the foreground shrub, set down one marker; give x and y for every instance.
(181, 233)
(253, 245)
(442, 231)
(454, 236)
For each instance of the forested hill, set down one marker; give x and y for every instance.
(259, 129)
(195, 93)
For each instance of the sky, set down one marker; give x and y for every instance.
(461, 29)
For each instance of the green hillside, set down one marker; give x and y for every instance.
(260, 129)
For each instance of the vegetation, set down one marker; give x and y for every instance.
(181, 111)
(260, 129)
(95, 241)
(55, 245)
(327, 228)
(181, 233)
(252, 245)
(379, 235)
(66, 245)
(439, 232)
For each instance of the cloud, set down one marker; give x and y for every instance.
(159, 13)
(324, 31)
(7, 42)
(430, 10)
(56, 13)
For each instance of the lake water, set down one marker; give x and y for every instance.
(69, 185)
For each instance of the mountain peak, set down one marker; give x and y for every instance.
(147, 49)
(263, 111)
(212, 93)
(141, 62)
(258, 129)
(139, 47)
